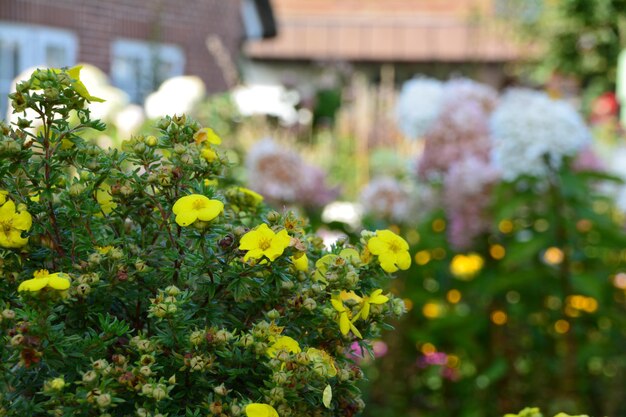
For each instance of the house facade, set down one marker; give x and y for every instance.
(139, 43)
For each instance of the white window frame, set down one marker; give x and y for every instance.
(32, 42)
(145, 53)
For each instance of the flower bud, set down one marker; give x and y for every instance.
(221, 390)
(223, 336)
(273, 314)
(56, 384)
(151, 141)
(139, 148)
(172, 380)
(273, 216)
(76, 189)
(235, 410)
(83, 289)
(17, 340)
(309, 304)
(147, 390)
(100, 364)
(246, 340)
(145, 371)
(103, 400)
(8, 314)
(216, 408)
(277, 394)
(159, 392)
(196, 337)
(172, 290)
(89, 376)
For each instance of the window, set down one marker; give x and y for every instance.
(26, 46)
(139, 67)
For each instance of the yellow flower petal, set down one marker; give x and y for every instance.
(22, 220)
(34, 284)
(185, 218)
(260, 410)
(327, 396)
(344, 323)
(211, 211)
(58, 282)
(300, 262)
(283, 343)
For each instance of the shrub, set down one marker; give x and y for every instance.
(144, 281)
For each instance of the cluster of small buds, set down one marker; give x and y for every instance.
(165, 304)
(197, 362)
(157, 391)
(142, 344)
(7, 314)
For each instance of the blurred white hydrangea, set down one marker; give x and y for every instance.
(418, 105)
(527, 126)
(283, 177)
(464, 90)
(387, 198)
(176, 95)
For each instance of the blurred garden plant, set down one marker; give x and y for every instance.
(135, 283)
(519, 295)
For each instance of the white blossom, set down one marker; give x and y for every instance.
(528, 129)
(418, 105)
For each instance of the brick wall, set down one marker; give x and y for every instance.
(186, 23)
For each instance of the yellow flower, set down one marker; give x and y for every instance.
(256, 197)
(194, 207)
(3, 197)
(208, 135)
(465, 267)
(345, 325)
(12, 223)
(210, 183)
(375, 297)
(78, 85)
(301, 262)
(56, 384)
(105, 199)
(42, 279)
(209, 154)
(283, 343)
(392, 250)
(323, 360)
(262, 241)
(260, 410)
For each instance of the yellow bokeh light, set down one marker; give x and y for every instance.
(413, 237)
(497, 252)
(432, 310)
(505, 226)
(408, 304)
(453, 296)
(439, 225)
(580, 303)
(466, 267)
(453, 361)
(499, 317)
(428, 348)
(394, 228)
(553, 255)
(422, 257)
(561, 326)
(439, 253)
(541, 225)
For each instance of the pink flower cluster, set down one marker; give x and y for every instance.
(461, 128)
(283, 177)
(466, 196)
(439, 359)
